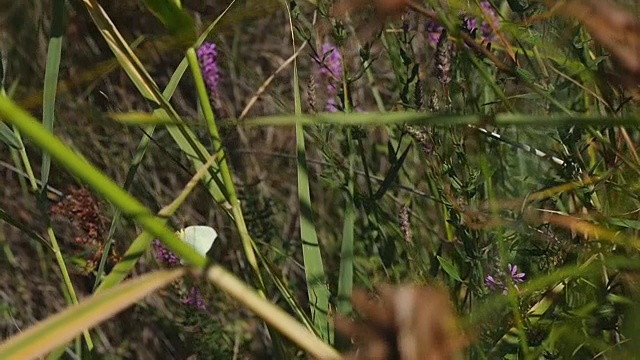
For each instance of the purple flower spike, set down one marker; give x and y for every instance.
(332, 61)
(164, 255)
(208, 57)
(491, 23)
(195, 299)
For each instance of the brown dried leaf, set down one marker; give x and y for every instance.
(406, 322)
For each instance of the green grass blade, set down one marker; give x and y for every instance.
(314, 269)
(52, 70)
(392, 175)
(345, 277)
(62, 327)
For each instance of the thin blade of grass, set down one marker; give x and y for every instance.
(317, 288)
(62, 327)
(8, 137)
(52, 70)
(345, 277)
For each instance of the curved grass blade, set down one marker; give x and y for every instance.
(58, 329)
(52, 70)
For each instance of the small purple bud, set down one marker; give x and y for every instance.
(164, 255)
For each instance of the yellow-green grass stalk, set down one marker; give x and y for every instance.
(58, 329)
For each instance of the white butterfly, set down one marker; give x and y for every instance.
(200, 237)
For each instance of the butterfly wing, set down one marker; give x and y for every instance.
(201, 238)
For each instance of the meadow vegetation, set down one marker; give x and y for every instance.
(384, 179)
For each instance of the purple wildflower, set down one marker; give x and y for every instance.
(492, 283)
(469, 23)
(486, 29)
(434, 30)
(208, 57)
(331, 105)
(516, 277)
(491, 22)
(331, 61)
(496, 284)
(164, 255)
(194, 298)
(331, 73)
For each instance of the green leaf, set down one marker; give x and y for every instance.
(392, 175)
(449, 268)
(8, 137)
(625, 223)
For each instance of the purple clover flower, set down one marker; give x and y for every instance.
(331, 73)
(208, 58)
(194, 298)
(164, 255)
(495, 284)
